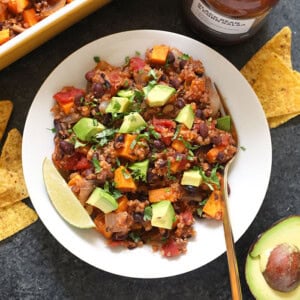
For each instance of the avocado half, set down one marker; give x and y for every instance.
(286, 231)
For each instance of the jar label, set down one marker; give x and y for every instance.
(218, 22)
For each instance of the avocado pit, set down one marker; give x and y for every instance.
(282, 271)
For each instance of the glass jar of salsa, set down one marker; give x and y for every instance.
(226, 21)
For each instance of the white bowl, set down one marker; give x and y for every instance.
(248, 178)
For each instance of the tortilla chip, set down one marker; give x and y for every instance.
(11, 171)
(14, 218)
(277, 88)
(11, 156)
(279, 44)
(6, 107)
(276, 121)
(14, 183)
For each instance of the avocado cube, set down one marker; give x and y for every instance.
(186, 116)
(102, 200)
(224, 123)
(163, 214)
(159, 95)
(86, 128)
(191, 177)
(117, 105)
(132, 122)
(125, 93)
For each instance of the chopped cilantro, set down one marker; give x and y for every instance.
(243, 148)
(125, 174)
(96, 59)
(78, 144)
(134, 236)
(169, 176)
(53, 130)
(137, 53)
(212, 179)
(148, 213)
(127, 59)
(96, 165)
(185, 56)
(105, 136)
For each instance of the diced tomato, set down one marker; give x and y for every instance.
(82, 164)
(68, 94)
(115, 80)
(166, 128)
(136, 63)
(170, 249)
(74, 162)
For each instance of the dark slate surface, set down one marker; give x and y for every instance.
(35, 266)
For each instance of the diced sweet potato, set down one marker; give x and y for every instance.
(4, 36)
(17, 6)
(122, 204)
(30, 17)
(3, 12)
(178, 146)
(214, 207)
(158, 195)
(123, 180)
(101, 227)
(159, 54)
(212, 154)
(127, 150)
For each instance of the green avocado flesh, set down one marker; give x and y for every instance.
(163, 214)
(186, 116)
(132, 122)
(224, 123)
(191, 177)
(118, 105)
(102, 200)
(286, 231)
(159, 95)
(86, 128)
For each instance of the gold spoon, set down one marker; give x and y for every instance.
(231, 256)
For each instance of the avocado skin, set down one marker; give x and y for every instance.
(254, 277)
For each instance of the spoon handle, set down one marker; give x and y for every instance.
(231, 256)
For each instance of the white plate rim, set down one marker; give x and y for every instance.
(233, 86)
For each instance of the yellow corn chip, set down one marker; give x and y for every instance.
(279, 44)
(14, 183)
(11, 171)
(6, 107)
(276, 121)
(277, 88)
(14, 218)
(11, 155)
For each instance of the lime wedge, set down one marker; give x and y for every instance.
(63, 199)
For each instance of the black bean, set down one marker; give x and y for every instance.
(151, 177)
(97, 89)
(138, 217)
(203, 130)
(57, 125)
(190, 188)
(78, 100)
(89, 75)
(163, 77)
(170, 57)
(199, 114)
(119, 236)
(180, 103)
(158, 144)
(182, 63)
(217, 140)
(120, 138)
(66, 147)
(175, 82)
(199, 73)
(221, 157)
(106, 119)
